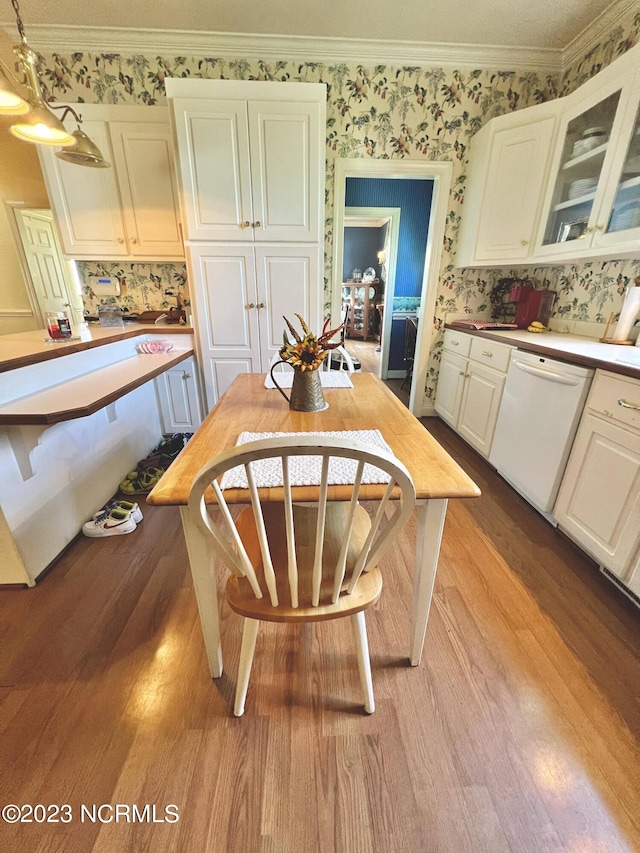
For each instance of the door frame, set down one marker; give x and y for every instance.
(440, 172)
(392, 216)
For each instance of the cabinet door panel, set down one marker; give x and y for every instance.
(86, 202)
(450, 386)
(225, 314)
(288, 282)
(517, 168)
(599, 499)
(285, 166)
(178, 398)
(213, 158)
(480, 405)
(143, 161)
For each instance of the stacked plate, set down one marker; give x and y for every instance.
(155, 346)
(582, 187)
(627, 216)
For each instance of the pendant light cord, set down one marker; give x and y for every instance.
(19, 23)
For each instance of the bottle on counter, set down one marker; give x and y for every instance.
(58, 325)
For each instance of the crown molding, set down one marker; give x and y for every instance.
(297, 48)
(593, 34)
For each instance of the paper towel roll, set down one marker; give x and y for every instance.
(628, 315)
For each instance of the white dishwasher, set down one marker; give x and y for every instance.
(539, 414)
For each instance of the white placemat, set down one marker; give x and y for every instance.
(328, 379)
(306, 470)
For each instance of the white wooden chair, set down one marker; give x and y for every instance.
(303, 562)
(338, 356)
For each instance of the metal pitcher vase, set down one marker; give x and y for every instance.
(306, 391)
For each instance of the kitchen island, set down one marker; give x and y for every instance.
(75, 417)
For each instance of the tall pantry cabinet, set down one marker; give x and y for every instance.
(251, 165)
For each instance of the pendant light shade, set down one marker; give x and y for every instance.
(11, 104)
(84, 153)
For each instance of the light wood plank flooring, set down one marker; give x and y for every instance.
(518, 732)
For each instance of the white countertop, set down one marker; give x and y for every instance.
(573, 348)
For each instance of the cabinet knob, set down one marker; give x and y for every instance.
(461, 373)
(524, 242)
(121, 240)
(245, 225)
(257, 224)
(250, 305)
(260, 305)
(133, 240)
(186, 376)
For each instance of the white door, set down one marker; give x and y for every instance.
(86, 201)
(599, 500)
(214, 166)
(285, 165)
(288, 283)
(144, 166)
(225, 314)
(451, 377)
(52, 288)
(517, 167)
(480, 405)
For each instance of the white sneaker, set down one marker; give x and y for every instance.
(114, 523)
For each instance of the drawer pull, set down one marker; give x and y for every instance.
(487, 353)
(626, 405)
(455, 343)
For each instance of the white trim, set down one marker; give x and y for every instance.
(593, 33)
(301, 48)
(16, 312)
(440, 173)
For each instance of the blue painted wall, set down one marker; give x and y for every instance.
(414, 198)
(361, 247)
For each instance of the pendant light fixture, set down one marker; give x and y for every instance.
(37, 122)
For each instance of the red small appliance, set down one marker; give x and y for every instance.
(531, 304)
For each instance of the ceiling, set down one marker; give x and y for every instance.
(447, 27)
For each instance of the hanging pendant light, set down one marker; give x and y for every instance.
(84, 152)
(39, 124)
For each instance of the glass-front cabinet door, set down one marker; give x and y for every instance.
(589, 174)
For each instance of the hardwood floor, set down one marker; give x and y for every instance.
(518, 732)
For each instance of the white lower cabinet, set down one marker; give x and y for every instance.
(599, 500)
(179, 399)
(470, 385)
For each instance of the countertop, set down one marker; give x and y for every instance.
(575, 349)
(25, 348)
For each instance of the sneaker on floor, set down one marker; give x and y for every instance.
(114, 523)
(141, 481)
(127, 506)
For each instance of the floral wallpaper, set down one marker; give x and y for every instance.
(378, 111)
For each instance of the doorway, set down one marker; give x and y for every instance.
(438, 172)
(51, 281)
(386, 221)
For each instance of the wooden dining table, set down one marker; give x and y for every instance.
(247, 406)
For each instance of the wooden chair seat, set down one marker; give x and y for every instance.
(241, 596)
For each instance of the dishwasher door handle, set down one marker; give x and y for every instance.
(549, 375)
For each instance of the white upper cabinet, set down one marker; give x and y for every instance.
(510, 159)
(594, 138)
(129, 210)
(251, 159)
(560, 181)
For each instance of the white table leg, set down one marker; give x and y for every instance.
(430, 524)
(201, 560)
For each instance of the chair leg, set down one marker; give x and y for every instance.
(249, 634)
(364, 664)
